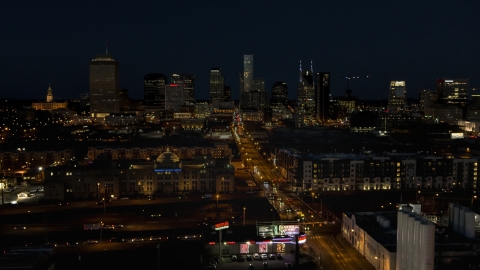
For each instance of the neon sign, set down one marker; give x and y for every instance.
(221, 225)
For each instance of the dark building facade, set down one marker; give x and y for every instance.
(322, 96)
(154, 90)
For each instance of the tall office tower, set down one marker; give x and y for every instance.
(174, 96)
(322, 96)
(154, 90)
(279, 95)
(254, 100)
(306, 93)
(104, 86)
(217, 84)
(453, 92)
(247, 73)
(259, 84)
(427, 98)
(397, 98)
(227, 93)
(188, 86)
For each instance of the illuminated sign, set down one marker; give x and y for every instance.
(288, 229)
(221, 226)
(211, 243)
(302, 239)
(283, 240)
(230, 243)
(173, 84)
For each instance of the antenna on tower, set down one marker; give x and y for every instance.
(311, 66)
(106, 46)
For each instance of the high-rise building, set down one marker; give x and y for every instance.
(279, 95)
(174, 96)
(104, 86)
(154, 90)
(247, 73)
(306, 94)
(217, 84)
(227, 93)
(259, 84)
(188, 81)
(255, 100)
(453, 91)
(397, 98)
(322, 96)
(427, 98)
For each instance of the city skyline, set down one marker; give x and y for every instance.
(53, 43)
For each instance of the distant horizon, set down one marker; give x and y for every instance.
(53, 42)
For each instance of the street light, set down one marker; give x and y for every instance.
(474, 197)
(217, 209)
(98, 190)
(244, 216)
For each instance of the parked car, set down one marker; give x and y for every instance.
(234, 257)
(264, 256)
(155, 238)
(137, 239)
(19, 227)
(241, 258)
(279, 256)
(249, 257)
(256, 256)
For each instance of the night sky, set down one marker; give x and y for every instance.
(417, 41)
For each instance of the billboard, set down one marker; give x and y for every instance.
(278, 229)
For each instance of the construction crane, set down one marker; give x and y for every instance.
(348, 78)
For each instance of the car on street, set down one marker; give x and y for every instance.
(124, 198)
(234, 257)
(155, 238)
(289, 200)
(256, 256)
(271, 256)
(264, 256)
(249, 257)
(19, 227)
(71, 243)
(90, 241)
(137, 239)
(279, 256)
(116, 239)
(118, 226)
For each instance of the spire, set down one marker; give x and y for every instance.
(300, 74)
(311, 66)
(106, 46)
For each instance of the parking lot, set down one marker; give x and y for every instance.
(227, 263)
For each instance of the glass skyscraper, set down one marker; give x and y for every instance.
(154, 90)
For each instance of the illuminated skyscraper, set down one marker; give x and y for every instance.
(397, 98)
(247, 73)
(322, 96)
(217, 84)
(154, 90)
(453, 91)
(188, 81)
(104, 86)
(306, 93)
